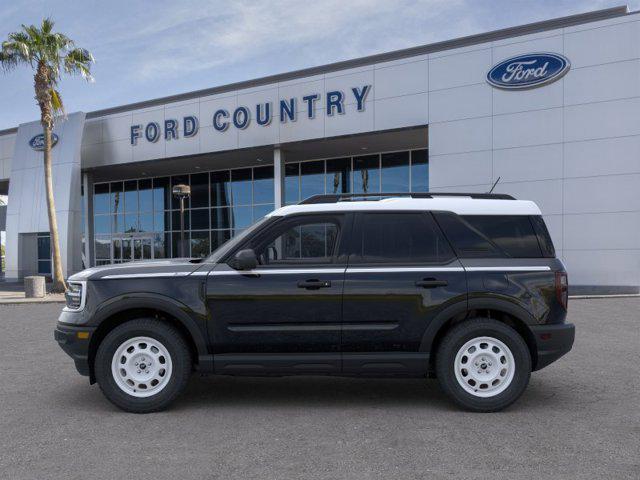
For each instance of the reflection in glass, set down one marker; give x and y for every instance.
(200, 190)
(242, 217)
(338, 175)
(161, 194)
(395, 172)
(116, 197)
(220, 189)
(102, 246)
(311, 179)
(130, 196)
(218, 237)
(420, 171)
(260, 211)
(160, 243)
(220, 218)
(199, 244)
(102, 224)
(241, 186)
(117, 223)
(146, 222)
(291, 183)
(263, 185)
(177, 180)
(145, 195)
(366, 174)
(131, 222)
(175, 220)
(101, 198)
(200, 219)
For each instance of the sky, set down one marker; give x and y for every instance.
(148, 49)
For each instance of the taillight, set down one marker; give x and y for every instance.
(562, 288)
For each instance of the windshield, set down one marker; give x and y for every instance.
(230, 244)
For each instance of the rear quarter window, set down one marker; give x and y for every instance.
(511, 236)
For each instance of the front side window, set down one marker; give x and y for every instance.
(306, 241)
(399, 238)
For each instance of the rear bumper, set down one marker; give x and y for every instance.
(75, 346)
(552, 342)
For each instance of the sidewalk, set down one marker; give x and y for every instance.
(13, 293)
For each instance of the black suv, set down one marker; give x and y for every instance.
(463, 287)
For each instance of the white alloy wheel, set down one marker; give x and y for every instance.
(141, 367)
(484, 367)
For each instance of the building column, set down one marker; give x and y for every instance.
(278, 177)
(87, 205)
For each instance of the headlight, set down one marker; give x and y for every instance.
(75, 295)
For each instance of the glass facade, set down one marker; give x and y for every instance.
(140, 219)
(391, 172)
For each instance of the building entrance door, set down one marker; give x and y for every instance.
(132, 248)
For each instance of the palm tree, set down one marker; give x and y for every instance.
(49, 54)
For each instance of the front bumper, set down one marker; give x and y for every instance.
(74, 340)
(552, 342)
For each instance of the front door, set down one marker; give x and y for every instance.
(401, 274)
(132, 248)
(285, 314)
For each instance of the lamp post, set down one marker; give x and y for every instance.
(181, 192)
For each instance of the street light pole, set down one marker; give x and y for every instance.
(181, 192)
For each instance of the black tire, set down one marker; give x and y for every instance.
(464, 332)
(177, 348)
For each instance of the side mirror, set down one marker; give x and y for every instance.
(244, 260)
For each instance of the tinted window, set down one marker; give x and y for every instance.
(514, 234)
(468, 242)
(400, 238)
(303, 242)
(543, 236)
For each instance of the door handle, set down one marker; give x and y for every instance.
(314, 284)
(431, 283)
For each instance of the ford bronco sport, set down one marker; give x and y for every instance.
(463, 287)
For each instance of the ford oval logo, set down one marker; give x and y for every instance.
(37, 142)
(528, 71)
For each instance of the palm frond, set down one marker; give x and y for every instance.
(78, 61)
(56, 101)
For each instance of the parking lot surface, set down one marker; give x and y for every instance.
(579, 418)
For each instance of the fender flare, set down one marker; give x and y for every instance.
(162, 303)
(493, 303)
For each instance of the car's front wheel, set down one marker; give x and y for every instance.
(143, 365)
(483, 365)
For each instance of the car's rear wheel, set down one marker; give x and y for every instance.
(483, 365)
(143, 365)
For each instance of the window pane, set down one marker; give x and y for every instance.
(145, 195)
(161, 221)
(338, 175)
(220, 189)
(263, 185)
(291, 183)
(116, 197)
(241, 186)
(44, 247)
(405, 237)
(175, 220)
(260, 211)
(546, 244)
(200, 219)
(103, 247)
(175, 245)
(366, 174)
(311, 179)
(160, 244)
(512, 233)
(102, 224)
(131, 196)
(127, 247)
(200, 190)
(468, 242)
(420, 171)
(395, 172)
(313, 241)
(131, 222)
(117, 223)
(179, 180)
(44, 267)
(101, 198)
(242, 217)
(220, 218)
(117, 249)
(219, 237)
(146, 222)
(199, 244)
(161, 194)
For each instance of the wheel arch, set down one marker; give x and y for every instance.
(121, 309)
(499, 309)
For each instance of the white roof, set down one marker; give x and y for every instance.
(459, 205)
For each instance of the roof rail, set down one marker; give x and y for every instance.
(350, 197)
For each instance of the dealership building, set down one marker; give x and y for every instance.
(550, 111)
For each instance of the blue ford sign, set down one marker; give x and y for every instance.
(37, 142)
(528, 71)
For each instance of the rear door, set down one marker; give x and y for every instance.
(401, 273)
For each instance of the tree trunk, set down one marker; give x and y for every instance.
(59, 285)
(42, 85)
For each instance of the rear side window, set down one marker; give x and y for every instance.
(546, 244)
(482, 236)
(399, 238)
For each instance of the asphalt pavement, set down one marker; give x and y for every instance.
(579, 418)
